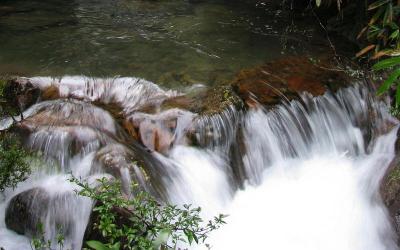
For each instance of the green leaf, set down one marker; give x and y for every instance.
(394, 35)
(195, 238)
(388, 82)
(388, 17)
(398, 96)
(387, 63)
(116, 246)
(97, 245)
(318, 3)
(377, 4)
(189, 235)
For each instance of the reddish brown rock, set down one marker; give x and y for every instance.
(158, 132)
(51, 93)
(285, 78)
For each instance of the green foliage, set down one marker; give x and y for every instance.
(394, 175)
(40, 242)
(13, 164)
(393, 65)
(7, 108)
(382, 31)
(149, 225)
(383, 34)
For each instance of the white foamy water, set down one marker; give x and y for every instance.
(302, 176)
(312, 204)
(312, 178)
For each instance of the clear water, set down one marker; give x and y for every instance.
(172, 43)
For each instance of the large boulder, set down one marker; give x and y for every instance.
(26, 211)
(56, 210)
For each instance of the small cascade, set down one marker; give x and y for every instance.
(303, 175)
(129, 92)
(343, 123)
(217, 131)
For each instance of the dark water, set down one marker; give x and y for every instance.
(168, 42)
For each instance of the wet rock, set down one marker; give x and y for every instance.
(121, 162)
(158, 132)
(285, 78)
(26, 210)
(21, 94)
(51, 93)
(72, 113)
(206, 101)
(390, 191)
(176, 78)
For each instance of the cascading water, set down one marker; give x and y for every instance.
(310, 169)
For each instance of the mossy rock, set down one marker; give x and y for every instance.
(206, 102)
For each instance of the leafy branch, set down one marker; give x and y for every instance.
(148, 223)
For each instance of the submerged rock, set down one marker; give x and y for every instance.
(284, 79)
(205, 101)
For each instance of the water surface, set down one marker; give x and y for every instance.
(167, 42)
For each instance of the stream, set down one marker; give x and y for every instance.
(304, 174)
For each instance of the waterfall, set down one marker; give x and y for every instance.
(303, 175)
(312, 168)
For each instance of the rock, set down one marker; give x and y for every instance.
(51, 93)
(158, 132)
(176, 78)
(26, 210)
(390, 189)
(390, 192)
(285, 78)
(56, 210)
(21, 94)
(72, 113)
(205, 101)
(121, 162)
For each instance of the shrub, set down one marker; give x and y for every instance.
(13, 164)
(150, 224)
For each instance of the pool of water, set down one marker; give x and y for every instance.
(172, 43)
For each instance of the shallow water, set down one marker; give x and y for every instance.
(173, 43)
